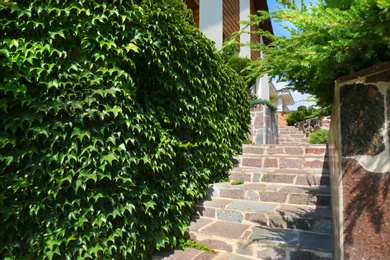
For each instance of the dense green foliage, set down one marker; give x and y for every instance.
(319, 137)
(298, 115)
(114, 117)
(258, 101)
(303, 113)
(328, 40)
(182, 8)
(242, 66)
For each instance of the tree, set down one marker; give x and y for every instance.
(327, 41)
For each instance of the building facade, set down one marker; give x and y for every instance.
(219, 19)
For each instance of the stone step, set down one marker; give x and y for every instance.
(289, 130)
(293, 137)
(274, 253)
(271, 206)
(283, 156)
(289, 195)
(256, 220)
(303, 149)
(291, 133)
(300, 177)
(299, 134)
(316, 220)
(293, 141)
(254, 242)
(282, 162)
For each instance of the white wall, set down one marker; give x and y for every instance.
(262, 87)
(280, 104)
(245, 10)
(210, 20)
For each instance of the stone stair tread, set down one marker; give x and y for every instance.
(279, 145)
(307, 171)
(304, 211)
(284, 149)
(265, 187)
(283, 156)
(306, 190)
(269, 202)
(247, 239)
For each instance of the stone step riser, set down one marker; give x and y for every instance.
(291, 135)
(296, 150)
(291, 131)
(292, 141)
(315, 198)
(278, 162)
(313, 180)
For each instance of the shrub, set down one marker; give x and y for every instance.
(241, 65)
(297, 116)
(114, 117)
(319, 137)
(303, 113)
(271, 105)
(230, 56)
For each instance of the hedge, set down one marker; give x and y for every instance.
(114, 118)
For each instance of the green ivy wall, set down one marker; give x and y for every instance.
(114, 118)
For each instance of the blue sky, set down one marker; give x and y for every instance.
(280, 31)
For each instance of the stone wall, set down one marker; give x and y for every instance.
(310, 125)
(264, 125)
(359, 147)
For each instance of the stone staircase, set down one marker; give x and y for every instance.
(291, 135)
(280, 211)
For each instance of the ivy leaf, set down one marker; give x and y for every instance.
(80, 134)
(131, 47)
(86, 176)
(128, 207)
(109, 158)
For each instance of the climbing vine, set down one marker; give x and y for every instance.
(114, 118)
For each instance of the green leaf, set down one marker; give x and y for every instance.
(86, 176)
(109, 158)
(80, 134)
(55, 33)
(80, 221)
(128, 207)
(131, 47)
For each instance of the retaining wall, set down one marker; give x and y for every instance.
(310, 125)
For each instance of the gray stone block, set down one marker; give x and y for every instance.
(315, 241)
(252, 206)
(259, 137)
(324, 226)
(229, 215)
(252, 195)
(273, 236)
(272, 253)
(244, 249)
(256, 177)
